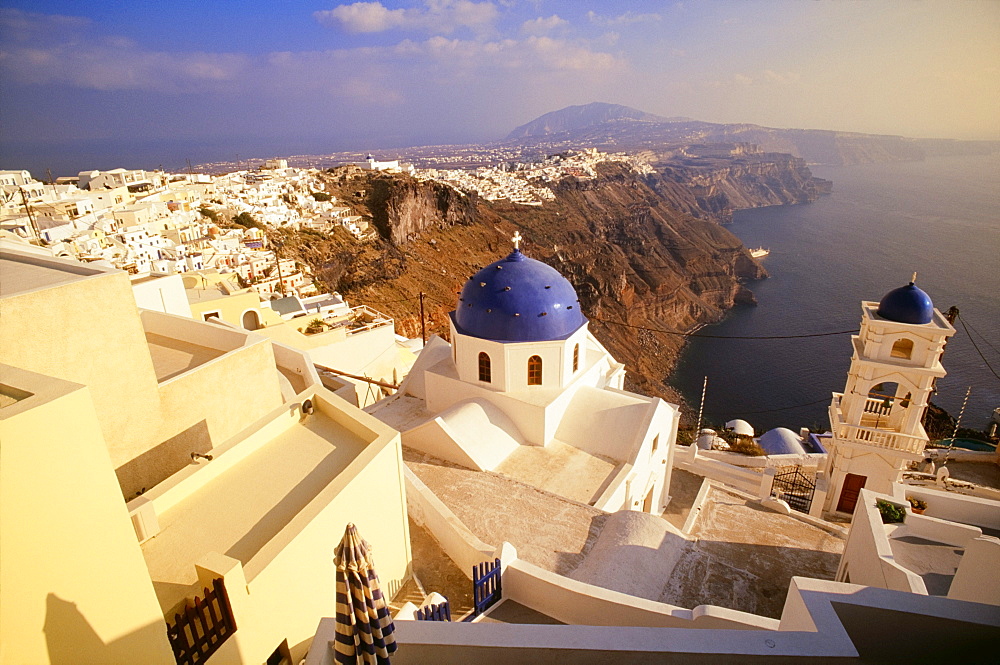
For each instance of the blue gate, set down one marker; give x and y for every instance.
(486, 586)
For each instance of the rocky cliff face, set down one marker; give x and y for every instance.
(401, 208)
(627, 243)
(715, 187)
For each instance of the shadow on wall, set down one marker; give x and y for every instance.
(157, 464)
(71, 640)
(891, 636)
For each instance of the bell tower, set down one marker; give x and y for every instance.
(876, 421)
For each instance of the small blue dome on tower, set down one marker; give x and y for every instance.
(517, 299)
(907, 304)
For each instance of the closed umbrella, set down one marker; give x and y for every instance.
(364, 627)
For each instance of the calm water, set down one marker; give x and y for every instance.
(882, 222)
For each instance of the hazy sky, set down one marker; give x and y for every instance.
(293, 77)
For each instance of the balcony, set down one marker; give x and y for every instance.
(878, 429)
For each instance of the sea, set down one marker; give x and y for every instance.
(939, 218)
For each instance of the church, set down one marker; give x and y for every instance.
(525, 390)
(877, 420)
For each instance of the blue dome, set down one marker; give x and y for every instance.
(907, 304)
(518, 299)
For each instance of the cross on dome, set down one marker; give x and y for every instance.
(517, 240)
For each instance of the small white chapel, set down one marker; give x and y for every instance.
(525, 390)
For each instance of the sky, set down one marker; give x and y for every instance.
(209, 80)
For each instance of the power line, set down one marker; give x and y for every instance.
(783, 408)
(976, 346)
(707, 336)
(390, 302)
(981, 335)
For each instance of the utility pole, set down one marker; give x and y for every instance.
(31, 218)
(277, 260)
(423, 329)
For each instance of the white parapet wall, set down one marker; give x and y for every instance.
(953, 506)
(565, 599)
(868, 558)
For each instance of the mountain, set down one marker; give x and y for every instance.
(613, 127)
(574, 118)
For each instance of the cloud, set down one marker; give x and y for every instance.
(541, 26)
(628, 18)
(781, 78)
(436, 16)
(363, 17)
(21, 26)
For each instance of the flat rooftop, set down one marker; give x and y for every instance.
(175, 356)
(739, 555)
(935, 562)
(561, 469)
(237, 513)
(23, 271)
(547, 530)
(744, 556)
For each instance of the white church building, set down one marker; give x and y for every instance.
(525, 390)
(876, 421)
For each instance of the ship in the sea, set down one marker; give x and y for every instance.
(759, 253)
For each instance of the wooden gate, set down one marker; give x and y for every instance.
(796, 488)
(486, 586)
(201, 630)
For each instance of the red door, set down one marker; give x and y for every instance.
(850, 491)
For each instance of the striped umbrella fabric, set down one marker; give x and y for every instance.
(364, 626)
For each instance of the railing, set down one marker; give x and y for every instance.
(486, 586)
(378, 319)
(201, 630)
(880, 407)
(439, 612)
(871, 436)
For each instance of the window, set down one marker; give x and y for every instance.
(484, 367)
(903, 348)
(535, 371)
(576, 357)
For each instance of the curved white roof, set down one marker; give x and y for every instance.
(781, 441)
(741, 427)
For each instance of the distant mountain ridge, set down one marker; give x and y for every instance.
(580, 117)
(615, 128)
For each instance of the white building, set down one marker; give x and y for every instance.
(525, 390)
(876, 421)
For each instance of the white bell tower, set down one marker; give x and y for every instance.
(876, 421)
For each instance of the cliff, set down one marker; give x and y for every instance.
(641, 250)
(715, 187)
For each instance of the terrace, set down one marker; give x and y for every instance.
(240, 499)
(878, 429)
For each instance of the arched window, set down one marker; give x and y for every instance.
(484, 367)
(576, 357)
(903, 348)
(535, 371)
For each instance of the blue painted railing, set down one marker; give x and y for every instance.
(439, 612)
(486, 586)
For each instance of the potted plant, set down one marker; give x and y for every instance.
(917, 505)
(892, 513)
(315, 326)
